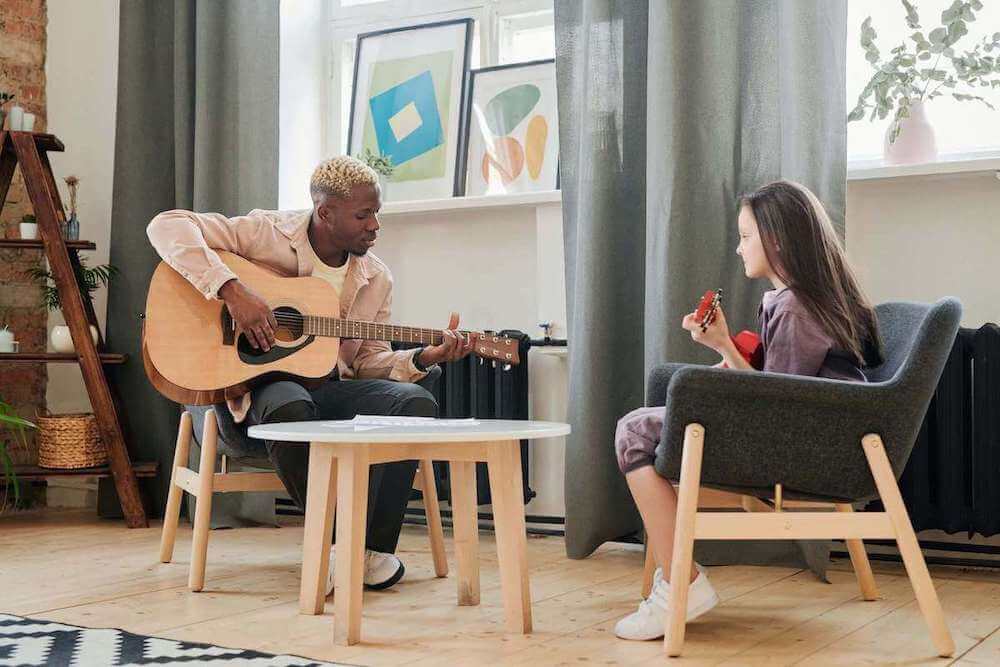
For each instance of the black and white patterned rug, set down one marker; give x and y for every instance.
(27, 642)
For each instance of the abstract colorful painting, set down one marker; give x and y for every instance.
(513, 130)
(406, 105)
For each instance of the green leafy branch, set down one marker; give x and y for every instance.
(904, 77)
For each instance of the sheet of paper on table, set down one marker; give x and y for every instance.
(369, 422)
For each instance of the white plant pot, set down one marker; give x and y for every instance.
(916, 143)
(62, 340)
(29, 230)
(6, 340)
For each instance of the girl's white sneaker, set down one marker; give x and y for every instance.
(649, 620)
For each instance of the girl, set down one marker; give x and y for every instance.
(816, 321)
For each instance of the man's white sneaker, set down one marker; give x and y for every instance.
(649, 620)
(382, 570)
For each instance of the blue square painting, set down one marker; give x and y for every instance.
(417, 129)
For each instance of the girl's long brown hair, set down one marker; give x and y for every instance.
(803, 249)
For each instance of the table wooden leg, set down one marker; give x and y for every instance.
(507, 490)
(352, 513)
(321, 500)
(465, 523)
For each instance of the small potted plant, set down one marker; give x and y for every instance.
(920, 70)
(10, 423)
(4, 99)
(88, 279)
(382, 164)
(29, 227)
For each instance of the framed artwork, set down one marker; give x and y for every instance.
(512, 129)
(407, 100)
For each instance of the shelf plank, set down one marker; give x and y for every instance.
(29, 473)
(36, 244)
(57, 357)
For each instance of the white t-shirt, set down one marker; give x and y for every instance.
(332, 274)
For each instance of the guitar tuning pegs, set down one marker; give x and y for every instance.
(481, 361)
(506, 367)
(494, 363)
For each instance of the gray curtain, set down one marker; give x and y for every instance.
(197, 128)
(668, 110)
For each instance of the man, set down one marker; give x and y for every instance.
(331, 241)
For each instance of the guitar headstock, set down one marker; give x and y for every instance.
(500, 348)
(707, 307)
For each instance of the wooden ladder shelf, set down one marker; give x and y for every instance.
(30, 151)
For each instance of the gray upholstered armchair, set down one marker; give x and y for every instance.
(781, 437)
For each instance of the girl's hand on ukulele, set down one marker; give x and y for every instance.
(715, 335)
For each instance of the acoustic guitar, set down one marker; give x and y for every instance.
(195, 354)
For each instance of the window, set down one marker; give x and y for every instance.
(961, 128)
(505, 31)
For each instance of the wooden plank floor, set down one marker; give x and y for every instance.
(74, 568)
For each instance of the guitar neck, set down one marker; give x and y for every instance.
(336, 328)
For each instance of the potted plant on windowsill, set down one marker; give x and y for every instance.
(88, 279)
(382, 164)
(920, 70)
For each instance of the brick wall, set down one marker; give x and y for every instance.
(22, 72)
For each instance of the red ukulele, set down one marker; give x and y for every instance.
(747, 343)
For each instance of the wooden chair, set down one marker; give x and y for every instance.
(783, 438)
(202, 486)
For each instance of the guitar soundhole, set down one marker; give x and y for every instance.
(289, 324)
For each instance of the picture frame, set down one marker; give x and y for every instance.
(511, 141)
(407, 101)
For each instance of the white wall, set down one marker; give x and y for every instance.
(82, 91)
(499, 269)
(923, 238)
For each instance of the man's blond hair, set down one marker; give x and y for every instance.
(338, 175)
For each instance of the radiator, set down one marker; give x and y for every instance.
(475, 388)
(952, 480)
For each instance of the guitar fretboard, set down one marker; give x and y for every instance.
(327, 326)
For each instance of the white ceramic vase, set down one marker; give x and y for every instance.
(915, 143)
(6, 340)
(62, 340)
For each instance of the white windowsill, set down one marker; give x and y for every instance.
(947, 164)
(528, 199)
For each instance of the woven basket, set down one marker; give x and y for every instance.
(70, 441)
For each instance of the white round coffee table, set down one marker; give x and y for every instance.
(350, 447)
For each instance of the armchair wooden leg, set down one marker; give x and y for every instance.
(172, 514)
(859, 559)
(909, 549)
(203, 504)
(648, 569)
(433, 509)
(684, 531)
